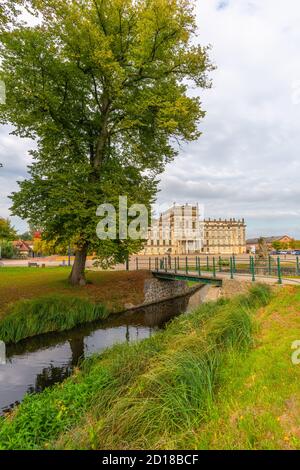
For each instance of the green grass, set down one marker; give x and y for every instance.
(258, 404)
(46, 314)
(111, 288)
(152, 394)
(35, 301)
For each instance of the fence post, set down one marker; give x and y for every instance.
(270, 265)
(166, 264)
(279, 270)
(196, 263)
(234, 263)
(207, 263)
(149, 264)
(199, 266)
(137, 263)
(252, 268)
(186, 265)
(127, 263)
(220, 264)
(298, 266)
(214, 267)
(231, 268)
(178, 263)
(175, 266)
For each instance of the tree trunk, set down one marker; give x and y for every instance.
(77, 276)
(77, 348)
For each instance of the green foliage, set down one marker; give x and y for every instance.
(9, 10)
(102, 86)
(293, 245)
(8, 251)
(26, 236)
(45, 314)
(284, 245)
(224, 262)
(142, 395)
(276, 245)
(296, 245)
(7, 232)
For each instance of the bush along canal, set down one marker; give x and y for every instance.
(39, 362)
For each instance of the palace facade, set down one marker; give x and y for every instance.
(183, 230)
(226, 236)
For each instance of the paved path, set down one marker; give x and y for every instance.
(237, 276)
(47, 261)
(263, 279)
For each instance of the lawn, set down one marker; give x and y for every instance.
(258, 406)
(219, 378)
(113, 289)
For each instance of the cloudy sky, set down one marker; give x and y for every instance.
(246, 163)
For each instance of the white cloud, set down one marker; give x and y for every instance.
(14, 158)
(247, 163)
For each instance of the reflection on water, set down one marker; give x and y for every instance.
(37, 363)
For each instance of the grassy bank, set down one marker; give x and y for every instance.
(154, 394)
(35, 301)
(258, 405)
(46, 314)
(110, 288)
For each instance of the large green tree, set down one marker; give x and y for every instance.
(102, 87)
(7, 231)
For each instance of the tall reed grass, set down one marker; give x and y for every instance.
(175, 393)
(47, 314)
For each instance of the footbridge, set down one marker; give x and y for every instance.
(212, 270)
(177, 276)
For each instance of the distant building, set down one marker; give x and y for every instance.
(177, 231)
(252, 243)
(24, 248)
(181, 230)
(224, 236)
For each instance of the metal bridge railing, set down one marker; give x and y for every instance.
(213, 265)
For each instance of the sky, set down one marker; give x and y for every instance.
(246, 162)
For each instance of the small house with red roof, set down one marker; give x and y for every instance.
(24, 248)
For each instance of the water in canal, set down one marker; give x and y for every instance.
(34, 364)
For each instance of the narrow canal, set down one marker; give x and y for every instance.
(37, 363)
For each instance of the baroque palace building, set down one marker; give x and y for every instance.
(226, 236)
(183, 230)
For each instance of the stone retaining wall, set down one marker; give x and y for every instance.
(156, 290)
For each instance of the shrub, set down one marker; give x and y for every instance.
(8, 251)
